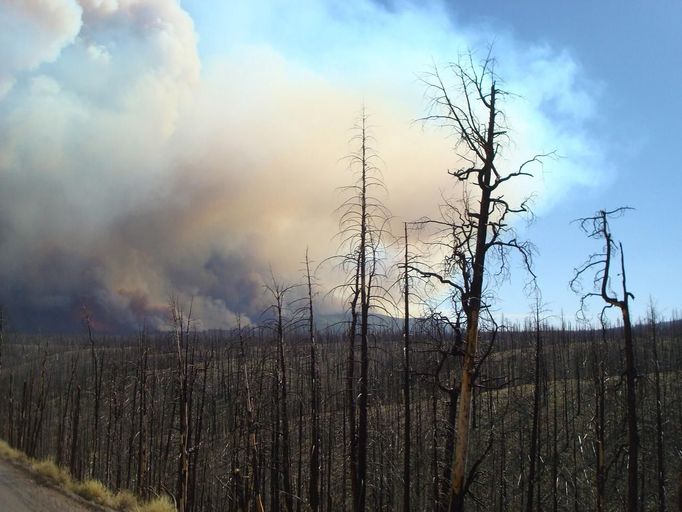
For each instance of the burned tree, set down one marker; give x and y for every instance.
(278, 292)
(406, 377)
(599, 265)
(316, 436)
(362, 221)
(181, 333)
(479, 227)
(660, 450)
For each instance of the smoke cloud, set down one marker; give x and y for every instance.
(136, 163)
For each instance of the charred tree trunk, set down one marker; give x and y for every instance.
(363, 387)
(73, 460)
(283, 402)
(600, 425)
(181, 333)
(633, 434)
(142, 442)
(533, 455)
(350, 390)
(96, 375)
(597, 227)
(660, 450)
(407, 443)
(472, 305)
(253, 445)
(314, 484)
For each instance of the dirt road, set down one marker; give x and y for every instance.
(19, 492)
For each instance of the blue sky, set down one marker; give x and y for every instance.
(633, 50)
(155, 147)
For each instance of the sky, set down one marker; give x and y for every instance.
(151, 148)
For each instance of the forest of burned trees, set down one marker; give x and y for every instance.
(235, 442)
(442, 408)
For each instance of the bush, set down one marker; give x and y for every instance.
(7, 452)
(49, 469)
(93, 490)
(125, 501)
(160, 504)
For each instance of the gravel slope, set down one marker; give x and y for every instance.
(20, 492)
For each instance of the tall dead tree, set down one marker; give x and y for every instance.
(251, 430)
(660, 450)
(278, 292)
(97, 376)
(142, 455)
(599, 265)
(600, 417)
(181, 332)
(362, 221)
(316, 436)
(534, 436)
(470, 107)
(406, 378)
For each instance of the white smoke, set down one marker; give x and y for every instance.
(131, 168)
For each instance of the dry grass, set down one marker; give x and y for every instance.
(125, 501)
(91, 490)
(160, 504)
(49, 469)
(7, 452)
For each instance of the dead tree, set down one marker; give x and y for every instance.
(252, 430)
(471, 109)
(599, 266)
(534, 439)
(660, 449)
(406, 378)
(142, 454)
(316, 440)
(600, 418)
(181, 332)
(278, 292)
(97, 376)
(73, 460)
(362, 221)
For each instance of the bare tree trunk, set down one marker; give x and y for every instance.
(631, 380)
(96, 365)
(600, 425)
(473, 311)
(533, 455)
(253, 445)
(73, 461)
(350, 390)
(251, 430)
(182, 377)
(679, 492)
(450, 437)
(285, 466)
(597, 227)
(142, 442)
(406, 384)
(314, 484)
(61, 432)
(363, 388)
(660, 450)
(197, 439)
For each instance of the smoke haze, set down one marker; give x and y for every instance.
(136, 163)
